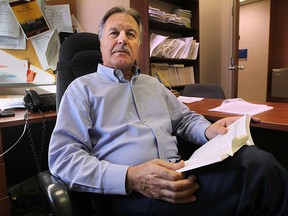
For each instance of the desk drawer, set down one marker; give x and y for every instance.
(3, 186)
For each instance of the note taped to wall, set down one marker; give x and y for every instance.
(12, 70)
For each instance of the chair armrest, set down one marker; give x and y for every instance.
(55, 193)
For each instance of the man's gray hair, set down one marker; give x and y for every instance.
(119, 9)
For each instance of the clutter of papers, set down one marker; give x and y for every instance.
(175, 48)
(15, 70)
(36, 21)
(178, 17)
(241, 107)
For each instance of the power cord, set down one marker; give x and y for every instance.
(24, 130)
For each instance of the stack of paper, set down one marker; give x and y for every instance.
(185, 15)
(241, 107)
(176, 48)
(179, 17)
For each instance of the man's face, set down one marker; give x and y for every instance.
(120, 41)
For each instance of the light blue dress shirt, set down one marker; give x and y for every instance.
(106, 124)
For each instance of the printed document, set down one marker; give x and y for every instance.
(241, 107)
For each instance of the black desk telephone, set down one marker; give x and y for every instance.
(35, 102)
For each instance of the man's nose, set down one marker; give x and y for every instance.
(122, 38)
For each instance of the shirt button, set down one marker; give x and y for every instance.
(158, 133)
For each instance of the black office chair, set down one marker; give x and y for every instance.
(79, 55)
(205, 90)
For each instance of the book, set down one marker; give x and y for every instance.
(30, 18)
(221, 146)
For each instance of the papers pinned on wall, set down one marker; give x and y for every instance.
(39, 22)
(14, 70)
(11, 37)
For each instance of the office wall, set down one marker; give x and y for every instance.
(91, 11)
(254, 36)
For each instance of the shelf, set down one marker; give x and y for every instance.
(178, 2)
(169, 27)
(172, 61)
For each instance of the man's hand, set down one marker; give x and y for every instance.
(220, 126)
(157, 179)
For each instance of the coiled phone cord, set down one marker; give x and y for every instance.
(38, 160)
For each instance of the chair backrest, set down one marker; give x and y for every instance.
(205, 90)
(79, 55)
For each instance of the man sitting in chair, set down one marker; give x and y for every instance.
(116, 135)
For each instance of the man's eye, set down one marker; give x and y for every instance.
(131, 35)
(114, 33)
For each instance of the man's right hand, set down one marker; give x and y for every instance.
(157, 179)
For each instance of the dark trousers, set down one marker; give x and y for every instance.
(252, 182)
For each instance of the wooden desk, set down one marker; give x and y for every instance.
(5, 123)
(275, 119)
(271, 134)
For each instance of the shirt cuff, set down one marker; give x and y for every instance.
(116, 179)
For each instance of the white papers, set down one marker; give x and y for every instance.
(185, 99)
(13, 101)
(59, 17)
(179, 17)
(176, 48)
(46, 46)
(155, 41)
(42, 77)
(40, 44)
(8, 24)
(52, 51)
(241, 107)
(12, 70)
(10, 35)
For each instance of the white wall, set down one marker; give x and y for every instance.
(90, 12)
(254, 36)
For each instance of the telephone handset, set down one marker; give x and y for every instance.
(35, 102)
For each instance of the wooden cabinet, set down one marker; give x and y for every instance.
(278, 51)
(172, 30)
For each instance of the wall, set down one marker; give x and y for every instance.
(254, 36)
(91, 11)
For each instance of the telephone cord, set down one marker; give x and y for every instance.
(24, 130)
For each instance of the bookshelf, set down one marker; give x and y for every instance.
(167, 29)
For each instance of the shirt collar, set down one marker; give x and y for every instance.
(115, 74)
